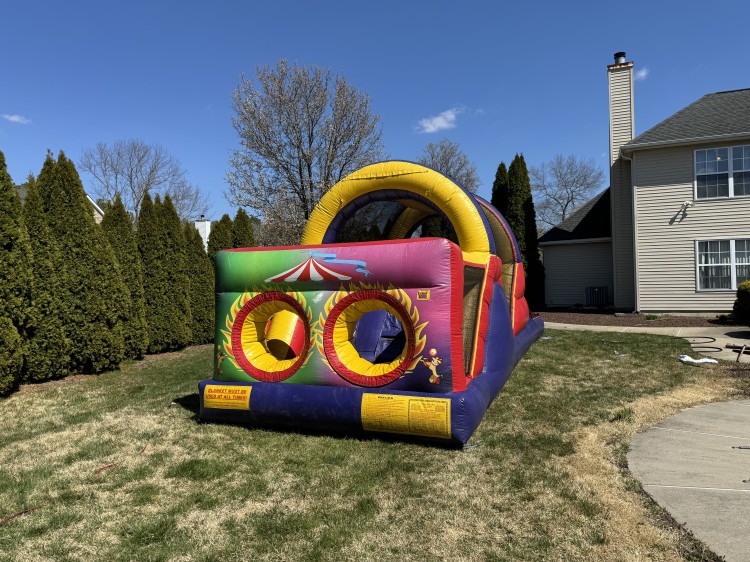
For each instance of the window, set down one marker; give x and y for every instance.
(722, 172)
(722, 264)
(741, 169)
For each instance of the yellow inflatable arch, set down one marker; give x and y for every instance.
(399, 179)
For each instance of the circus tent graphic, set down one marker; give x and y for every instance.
(310, 270)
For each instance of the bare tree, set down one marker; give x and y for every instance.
(301, 130)
(561, 186)
(132, 168)
(447, 158)
(282, 224)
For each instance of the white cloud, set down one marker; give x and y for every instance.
(440, 122)
(642, 74)
(20, 119)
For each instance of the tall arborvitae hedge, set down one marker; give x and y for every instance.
(49, 345)
(515, 213)
(15, 283)
(165, 282)
(175, 254)
(220, 237)
(500, 191)
(243, 235)
(118, 227)
(93, 291)
(202, 298)
(147, 237)
(522, 218)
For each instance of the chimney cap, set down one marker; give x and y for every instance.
(620, 57)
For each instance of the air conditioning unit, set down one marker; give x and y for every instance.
(596, 296)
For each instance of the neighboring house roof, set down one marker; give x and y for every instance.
(591, 221)
(714, 117)
(97, 209)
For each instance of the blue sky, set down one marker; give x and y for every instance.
(496, 77)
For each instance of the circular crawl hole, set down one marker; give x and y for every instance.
(271, 336)
(339, 335)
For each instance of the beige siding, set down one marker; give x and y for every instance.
(621, 132)
(622, 235)
(666, 238)
(620, 108)
(570, 268)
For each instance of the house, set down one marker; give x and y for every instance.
(96, 210)
(672, 232)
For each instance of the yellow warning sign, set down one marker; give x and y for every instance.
(423, 294)
(227, 397)
(427, 417)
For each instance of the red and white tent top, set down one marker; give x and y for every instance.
(309, 270)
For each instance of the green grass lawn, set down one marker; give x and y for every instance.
(117, 467)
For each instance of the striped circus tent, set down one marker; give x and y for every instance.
(309, 270)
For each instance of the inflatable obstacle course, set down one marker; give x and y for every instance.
(405, 335)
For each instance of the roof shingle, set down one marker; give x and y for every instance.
(592, 220)
(723, 114)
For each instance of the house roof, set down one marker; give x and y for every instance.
(590, 221)
(719, 116)
(22, 194)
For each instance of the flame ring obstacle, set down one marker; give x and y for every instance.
(248, 337)
(338, 336)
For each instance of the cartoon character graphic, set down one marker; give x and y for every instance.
(432, 365)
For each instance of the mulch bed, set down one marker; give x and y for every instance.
(608, 318)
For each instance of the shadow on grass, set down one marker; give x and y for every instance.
(189, 402)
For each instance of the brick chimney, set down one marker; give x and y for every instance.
(204, 228)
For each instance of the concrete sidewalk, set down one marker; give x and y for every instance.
(697, 466)
(709, 341)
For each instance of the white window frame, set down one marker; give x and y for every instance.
(732, 265)
(730, 173)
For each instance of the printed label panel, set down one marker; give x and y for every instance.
(227, 397)
(426, 417)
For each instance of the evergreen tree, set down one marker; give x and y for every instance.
(147, 237)
(118, 228)
(522, 219)
(500, 190)
(12, 349)
(220, 237)
(175, 254)
(165, 283)
(15, 283)
(93, 293)
(202, 298)
(49, 345)
(242, 231)
(437, 226)
(515, 212)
